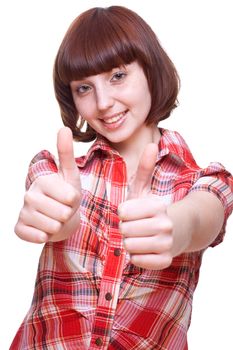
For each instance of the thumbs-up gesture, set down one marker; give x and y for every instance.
(51, 205)
(145, 225)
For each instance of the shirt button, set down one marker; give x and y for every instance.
(99, 341)
(117, 252)
(108, 296)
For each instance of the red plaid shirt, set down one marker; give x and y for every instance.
(87, 294)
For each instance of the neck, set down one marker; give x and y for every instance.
(132, 151)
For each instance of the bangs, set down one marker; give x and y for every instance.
(98, 45)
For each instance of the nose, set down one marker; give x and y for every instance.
(104, 98)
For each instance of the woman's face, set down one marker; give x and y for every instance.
(116, 103)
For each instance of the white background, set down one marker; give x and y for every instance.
(198, 37)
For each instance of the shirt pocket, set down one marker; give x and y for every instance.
(146, 327)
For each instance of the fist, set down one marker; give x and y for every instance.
(145, 225)
(51, 205)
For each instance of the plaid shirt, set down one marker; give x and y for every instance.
(87, 293)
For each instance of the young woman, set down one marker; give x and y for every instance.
(125, 226)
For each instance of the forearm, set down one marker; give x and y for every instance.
(197, 220)
(153, 234)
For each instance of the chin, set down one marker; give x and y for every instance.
(117, 139)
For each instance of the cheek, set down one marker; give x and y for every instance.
(84, 108)
(76, 104)
(146, 97)
(143, 101)
(141, 93)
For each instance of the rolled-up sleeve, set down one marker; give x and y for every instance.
(43, 163)
(217, 180)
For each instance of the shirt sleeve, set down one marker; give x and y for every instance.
(43, 163)
(217, 180)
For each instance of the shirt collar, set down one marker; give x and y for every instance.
(100, 145)
(171, 143)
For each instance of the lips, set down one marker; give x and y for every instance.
(115, 120)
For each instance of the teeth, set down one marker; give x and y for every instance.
(114, 119)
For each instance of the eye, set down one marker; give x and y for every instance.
(82, 89)
(118, 76)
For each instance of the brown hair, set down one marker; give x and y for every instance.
(101, 39)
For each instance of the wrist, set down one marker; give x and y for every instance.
(183, 220)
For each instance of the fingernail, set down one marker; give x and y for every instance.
(121, 227)
(119, 212)
(124, 243)
(43, 238)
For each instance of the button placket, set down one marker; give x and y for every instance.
(113, 262)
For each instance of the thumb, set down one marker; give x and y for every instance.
(67, 165)
(142, 181)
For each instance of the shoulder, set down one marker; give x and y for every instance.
(174, 145)
(172, 138)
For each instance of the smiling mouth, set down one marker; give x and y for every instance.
(114, 121)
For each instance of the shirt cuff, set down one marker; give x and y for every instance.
(223, 190)
(43, 163)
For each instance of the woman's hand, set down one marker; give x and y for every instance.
(51, 205)
(146, 228)
(154, 233)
